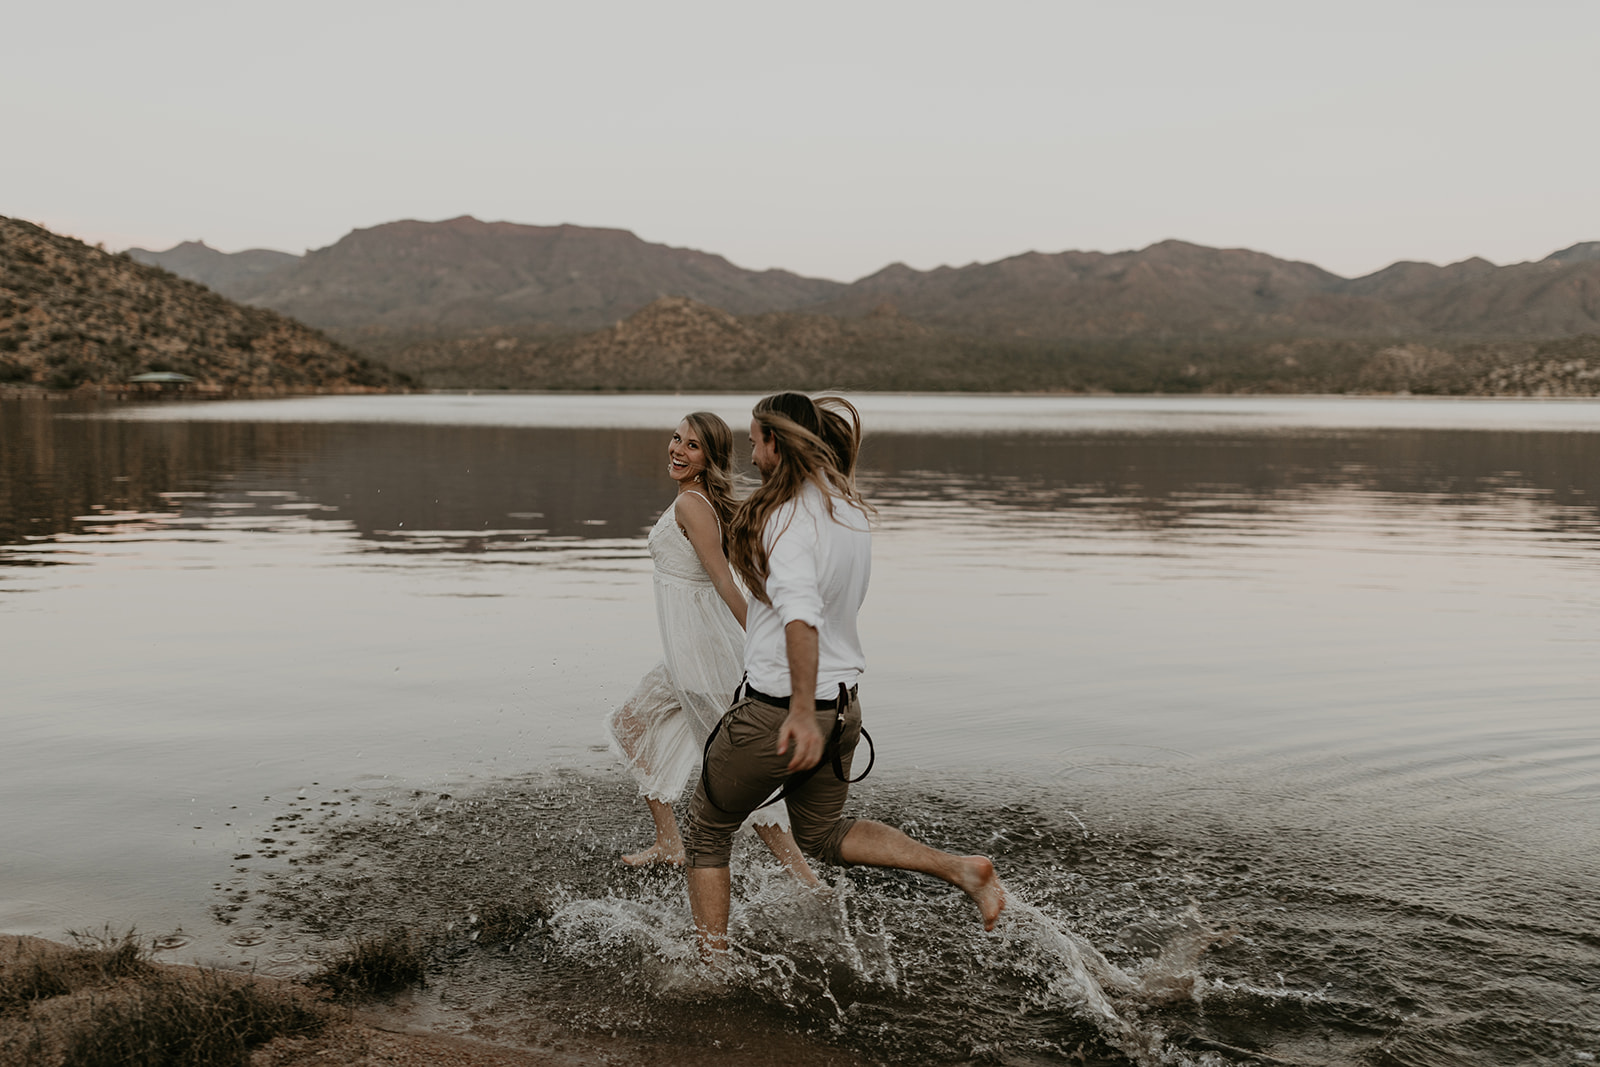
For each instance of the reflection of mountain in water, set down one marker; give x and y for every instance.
(1160, 481)
(425, 488)
(385, 482)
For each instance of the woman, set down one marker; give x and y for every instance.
(662, 728)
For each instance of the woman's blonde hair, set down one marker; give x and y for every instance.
(816, 441)
(716, 445)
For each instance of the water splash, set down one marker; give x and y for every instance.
(1101, 956)
(825, 951)
(1073, 973)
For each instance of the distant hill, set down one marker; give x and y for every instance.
(463, 273)
(432, 279)
(465, 303)
(73, 315)
(225, 272)
(1578, 253)
(1179, 290)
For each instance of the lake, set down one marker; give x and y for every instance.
(1279, 717)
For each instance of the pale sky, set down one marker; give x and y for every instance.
(826, 138)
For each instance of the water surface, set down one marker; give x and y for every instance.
(1320, 672)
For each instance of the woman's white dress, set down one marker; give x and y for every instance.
(661, 730)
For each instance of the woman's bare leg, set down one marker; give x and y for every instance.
(783, 846)
(669, 842)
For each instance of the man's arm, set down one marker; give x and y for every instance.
(800, 641)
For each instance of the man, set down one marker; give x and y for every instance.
(801, 544)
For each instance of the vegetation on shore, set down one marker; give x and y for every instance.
(677, 344)
(101, 1002)
(372, 967)
(72, 315)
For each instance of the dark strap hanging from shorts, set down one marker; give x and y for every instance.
(830, 751)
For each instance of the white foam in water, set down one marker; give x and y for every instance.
(788, 938)
(1079, 976)
(774, 921)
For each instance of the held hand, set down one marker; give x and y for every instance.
(800, 729)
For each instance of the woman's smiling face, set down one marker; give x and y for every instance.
(686, 457)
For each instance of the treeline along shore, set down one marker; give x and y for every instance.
(493, 305)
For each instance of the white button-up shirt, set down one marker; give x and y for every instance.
(818, 567)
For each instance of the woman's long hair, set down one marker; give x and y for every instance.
(817, 441)
(716, 445)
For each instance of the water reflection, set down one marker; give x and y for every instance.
(484, 489)
(410, 488)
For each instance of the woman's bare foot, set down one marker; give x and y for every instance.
(669, 842)
(656, 853)
(979, 882)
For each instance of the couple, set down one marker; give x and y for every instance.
(800, 544)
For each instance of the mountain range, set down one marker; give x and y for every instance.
(447, 278)
(470, 304)
(464, 274)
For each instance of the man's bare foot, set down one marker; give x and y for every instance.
(656, 853)
(979, 882)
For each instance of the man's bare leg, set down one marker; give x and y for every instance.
(872, 844)
(710, 889)
(669, 842)
(781, 842)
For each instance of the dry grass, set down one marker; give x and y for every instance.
(375, 966)
(101, 1004)
(39, 973)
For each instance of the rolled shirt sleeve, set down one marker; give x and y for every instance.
(793, 555)
(818, 568)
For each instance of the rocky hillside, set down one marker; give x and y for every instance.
(72, 315)
(677, 344)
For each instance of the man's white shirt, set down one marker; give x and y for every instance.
(818, 568)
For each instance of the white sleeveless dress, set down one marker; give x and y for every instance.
(661, 730)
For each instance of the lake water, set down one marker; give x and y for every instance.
(1317, 675)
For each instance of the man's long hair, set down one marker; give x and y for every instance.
(716, 445)
(817, 441)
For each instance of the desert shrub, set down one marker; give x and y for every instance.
(373, 966)
(96, 960)
(203, 1020)
(69, 374)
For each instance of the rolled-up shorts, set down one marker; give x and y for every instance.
(744, 770)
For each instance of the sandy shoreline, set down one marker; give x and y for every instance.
(351, 1037)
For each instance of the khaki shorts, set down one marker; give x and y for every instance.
(745, 770)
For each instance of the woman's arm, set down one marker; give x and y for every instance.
(699, 524)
